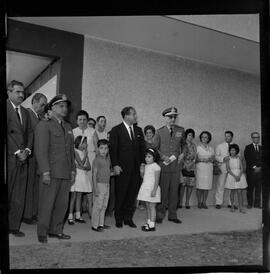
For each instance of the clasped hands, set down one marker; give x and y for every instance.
(23, 154)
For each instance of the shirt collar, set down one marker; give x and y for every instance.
(34, 112)
(127, 126)
(57, 120)
(19, 106)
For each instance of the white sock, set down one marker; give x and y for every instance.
(151, 224)
(77, 215)
(70, 216)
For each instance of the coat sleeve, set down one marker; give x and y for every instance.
(72, 155)
(114, 147)
(30, 131)
(41, 146)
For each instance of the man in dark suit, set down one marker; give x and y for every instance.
(19, 146)
(253, 157)
(169, 141)
(39, 101)
(54, 149)
(127, 149)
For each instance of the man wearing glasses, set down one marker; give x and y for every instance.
(169, 141)
(253, 157)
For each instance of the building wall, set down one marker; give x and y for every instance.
(208, 97)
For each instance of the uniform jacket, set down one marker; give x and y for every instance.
(252, 157)
(54, 149)
(123, 151)
(168, 146)
(18, 136)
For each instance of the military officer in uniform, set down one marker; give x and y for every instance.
(169, 140)
(54, 151)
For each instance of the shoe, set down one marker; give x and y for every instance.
(129, 223)
(16, 233)
(218, 206)
(235, 207)
(119, 224)
(159, 220)
(177, 221)
(29, 221)
(205, 206)
(179, 206)
(71, 222)
(187, 207)
(249, 206)
(80, 221)
(199, 205)
(42, 239)
(98, 229)
(60, 236)
(104, 226)
(147, 228)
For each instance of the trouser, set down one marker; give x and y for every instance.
(169, 185)
(111, 201)
(221, 180)
(17, 180)
(52, 206)
(126, 190)
(100, 204)
(31, 198)
(254, 181)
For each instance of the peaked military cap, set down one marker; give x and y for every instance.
(58, 99)
(170, 111)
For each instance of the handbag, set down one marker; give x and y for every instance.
(188, 173)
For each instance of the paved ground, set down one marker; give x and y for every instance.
(194, 221)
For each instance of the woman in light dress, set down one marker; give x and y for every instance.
(204, 168)
(83, 130)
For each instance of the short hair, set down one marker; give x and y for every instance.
(149, 127)
(81, 113)
(229, 132)
(37, 96)
(208, 134)
(234, 146)
(254, 132)
(126, 111)
(100, 117)
(92, 119)
(47, 108)
(78, 140)
(154, 153)
(188, 131)
(13, 83)
(102, 142)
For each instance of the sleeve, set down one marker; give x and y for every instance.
(114, 147)
(42, 138)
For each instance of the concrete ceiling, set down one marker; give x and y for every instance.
(230, 41)
(24, 67)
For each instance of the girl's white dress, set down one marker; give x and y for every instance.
(204, 171)
(231, 183)
(148, 184)
(82, 181)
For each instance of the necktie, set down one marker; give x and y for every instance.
(62, 126)
(17, 111)
(131, 134)
(171, 131)
(257, 149)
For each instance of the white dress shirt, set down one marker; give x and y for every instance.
(127, 127)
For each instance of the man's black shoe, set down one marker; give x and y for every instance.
(60, 236)
(129, 223)
(159, 220)
(29, 221)
(42, 239)
(16, 233)
(98, 229)
(177, 221)
(119, 224)
(218, 206)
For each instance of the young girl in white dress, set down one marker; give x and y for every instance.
(150, 190)
(82, 181)
(236, 180)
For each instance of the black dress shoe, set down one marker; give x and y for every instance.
(218, 206)
(119, 224)
(71, 222)
(98, 229)
(179, 206)
(177, 221)
(147, 228)
(187, 207)
(159, 220)
(29, 221)
(42, 239)
(129, 223)
(60, 236)
(16, 233)
(104, 226)
(80, 221)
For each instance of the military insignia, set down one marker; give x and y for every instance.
(178, 134)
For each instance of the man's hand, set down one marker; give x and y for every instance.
(167, 159)
(73, 175)
(142, 167)
(46, 179)
(257, 169)
(153, 193)
(117, 170)
(180, 157)
(22, 155)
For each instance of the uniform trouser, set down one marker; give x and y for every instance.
(52, 206)
(31, 198)
(220, 186)
(126, 190)
(100, 204)
(169, 184)
(254, 181)
(17, 180)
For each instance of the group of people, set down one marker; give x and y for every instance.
(54, 171)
